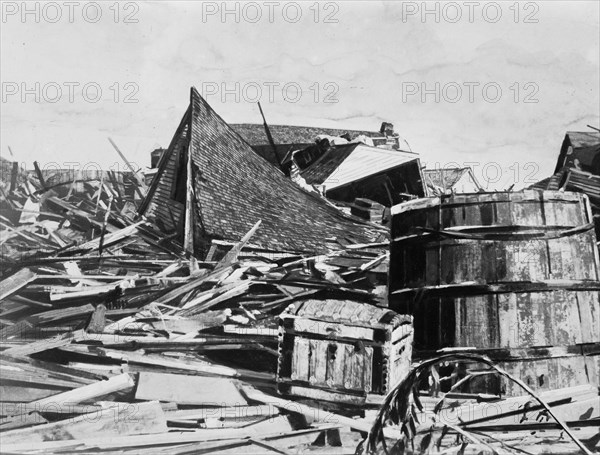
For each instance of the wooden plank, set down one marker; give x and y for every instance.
(110, 239)
(193, 284)
(188, 236)
(313, 413)
(21, 393)
(232, 254)
(569, 404)
(139, 179)
(13, 283)
(14, 176)
(234, 412)
(39, 174)
(176, 364)
(44, 345)
(25, 420)
(127, 419)
(269, 428)
(87, 392)
(34, 323)
(189, 390)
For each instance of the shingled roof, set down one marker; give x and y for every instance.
(234, 188)
(254, 134)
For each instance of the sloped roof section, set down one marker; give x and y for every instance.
(234, 188)
(551, 183)
(580, 149)
(344, 164)
(326, 165)
(581, 139)
(254, 134)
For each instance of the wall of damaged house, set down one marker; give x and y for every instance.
(578, 169)
(388, 188)
(167, 202)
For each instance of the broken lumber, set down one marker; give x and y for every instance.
(126, 419)
(87, 392)
(13, 283)
(188, 390)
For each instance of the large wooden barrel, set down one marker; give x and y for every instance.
(511, 275)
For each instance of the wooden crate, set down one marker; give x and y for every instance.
(342, 351)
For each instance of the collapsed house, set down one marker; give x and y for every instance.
(355, 170)
(77, 180)
(210, 185)
(288, 138)
(578, 169)
(363, 172)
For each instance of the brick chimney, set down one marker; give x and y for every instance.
(387, 129)
(155, 156)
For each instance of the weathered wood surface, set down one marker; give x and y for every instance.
(128, 419)
(429, 260)
(15, 282)
(268, 428)
(45, 344)
(183, 389)
(340, 350)
(488, 285)
(87, 392)
(570, 404)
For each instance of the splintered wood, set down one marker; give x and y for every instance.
(114, 339)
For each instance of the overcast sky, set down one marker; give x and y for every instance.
(356, 63)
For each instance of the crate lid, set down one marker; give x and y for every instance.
(348, 312)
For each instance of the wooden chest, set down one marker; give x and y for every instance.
(342, 351)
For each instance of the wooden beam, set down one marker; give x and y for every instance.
(170, 363)
(273, 427)
(188, 390)
(188, 236)
(13, 177)
(232, 254)
(44, 345)
(128, 164)
(317, 414)
(39, 174)
(87, 392)
(13, 283)
(126, 419)
(232, 412)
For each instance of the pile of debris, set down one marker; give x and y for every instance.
(45, 215)
(113, 337)
(230, 307)
(98, 350)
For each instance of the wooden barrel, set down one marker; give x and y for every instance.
(511, 275)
